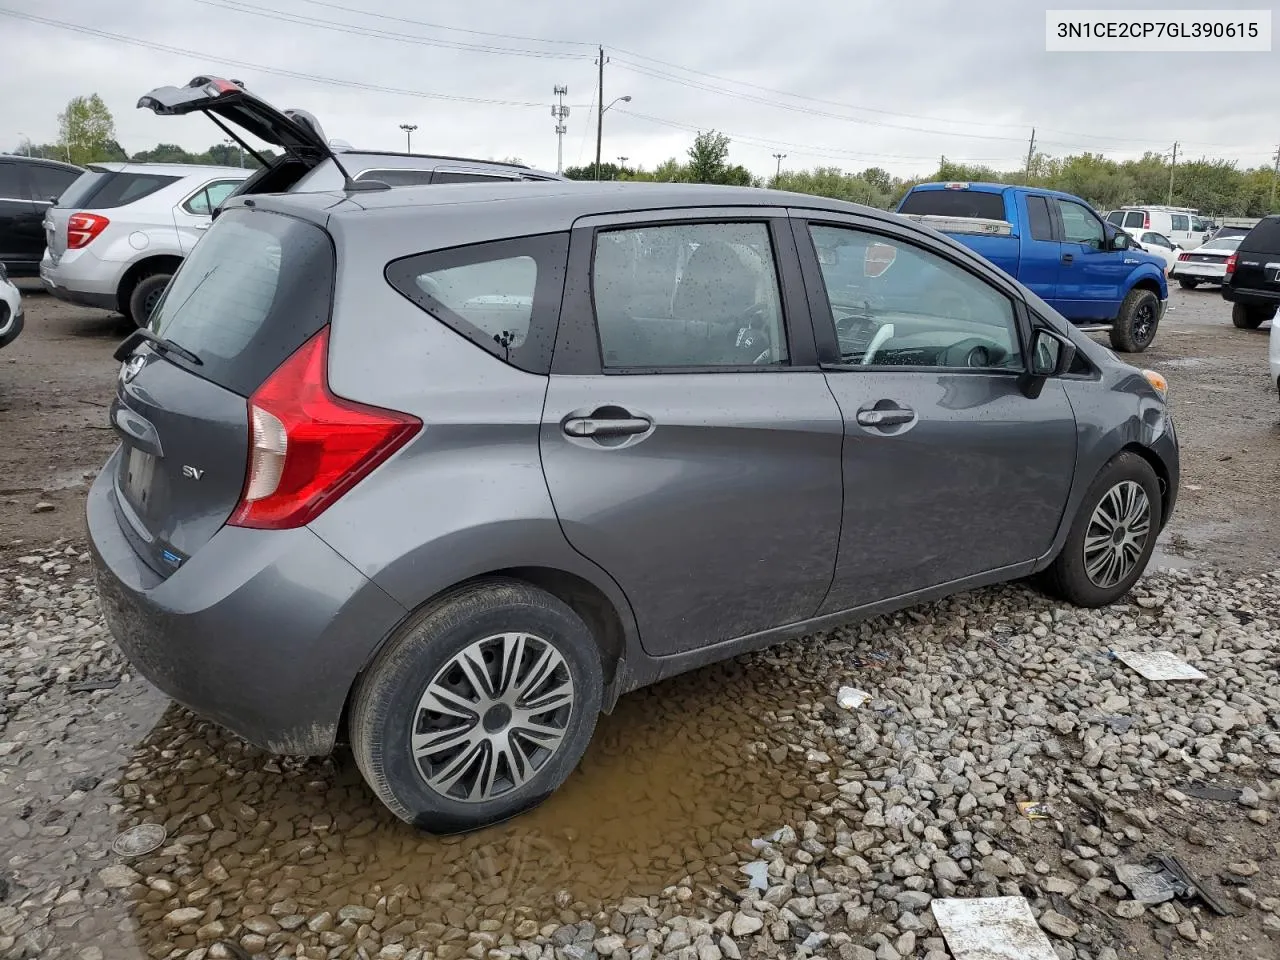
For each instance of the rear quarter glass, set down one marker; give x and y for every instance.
(254, 289)
(111, 190)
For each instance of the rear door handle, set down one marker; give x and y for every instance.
(606, 427)
(204, 226)
(1068, 258)
(885, 418)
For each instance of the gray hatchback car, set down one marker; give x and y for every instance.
(445, 471)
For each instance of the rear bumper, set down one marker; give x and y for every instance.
(1250, 296)
(85, 280)
(262, 632)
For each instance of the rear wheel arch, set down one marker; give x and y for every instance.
(586, 599)
(137, 272)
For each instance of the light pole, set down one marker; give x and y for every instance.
(600, 128)
(778, 175)
(239, 149)
(622, 165)
(408, 129)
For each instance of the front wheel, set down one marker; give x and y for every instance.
(1249, 317)
(479, 708)
(1112, 537)
(1187, 284)
(1135, 325)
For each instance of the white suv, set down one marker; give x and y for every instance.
(119, 232)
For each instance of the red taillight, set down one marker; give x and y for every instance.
(1184, 256)
(82, 228)
(307, 447)
(1146, 221)
(1231, 264)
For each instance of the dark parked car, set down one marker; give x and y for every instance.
(28, 187)
(447, 470)
(1253, 275)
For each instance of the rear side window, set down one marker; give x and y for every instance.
(255, 288)
(397, 178)
(107, 189)
(1038, 217)
(11, 182)
(457, 176)
(503, 296)
(955, 203)
(1180, 222)
(49, 183)
(1134, 219)
(1265, 237)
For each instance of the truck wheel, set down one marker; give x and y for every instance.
(1186, 284)
(1135, 327)
(1112, 538)
(1249, 317)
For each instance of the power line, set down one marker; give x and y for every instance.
(441, 26)
(283, 16)
(275, 71)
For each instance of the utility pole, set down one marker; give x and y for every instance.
(1172, 164)
(560, 111)
(1275, 172)
(622, 165)
(408, 129)
(1031, 152)
(239, 149)
(599, 111)
(777, 175)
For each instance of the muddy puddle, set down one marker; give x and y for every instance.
(270, 853)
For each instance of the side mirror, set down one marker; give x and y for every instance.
(1121, 241)
(1051, 356)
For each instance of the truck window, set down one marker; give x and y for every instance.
(954, 203)
(1080, 224)
(1039, 219)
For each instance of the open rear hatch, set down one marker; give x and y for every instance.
(254, 290)
(228, 104)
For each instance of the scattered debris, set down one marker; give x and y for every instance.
(44, 506)
(139, 840)
(1164, 877)
(851, 698)
(758, 872)
(1035, 809)
(1203, 791)
(1159, 665)
(992, 928)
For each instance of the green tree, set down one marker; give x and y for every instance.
(834, 183)
(709, 157)
(86, 130)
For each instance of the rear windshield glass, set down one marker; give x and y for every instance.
(81, 187)
(1265, 236)
(1134, 219)
(254, 289)
(1223, 243)
(109, 189)
(955, 203)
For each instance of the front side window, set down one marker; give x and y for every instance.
(895, 305)
(1080, 225)
(688, 295)
(1180, 222)
(503, 296)
(11, 186)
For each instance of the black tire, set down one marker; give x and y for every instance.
(144, 296)
(1247, 316)
(1067, 577)
(1135, 325)
(386, 703)
(1186, 284)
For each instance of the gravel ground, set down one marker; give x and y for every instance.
(862, 816)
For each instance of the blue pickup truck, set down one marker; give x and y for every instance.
(1058, 247)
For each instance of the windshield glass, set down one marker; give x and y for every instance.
(1224, 243)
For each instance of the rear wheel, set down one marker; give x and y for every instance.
(1112, 537)
(1188, 284)
(1135, 325)
(1247, 316)
(145, 295)
(479, 708)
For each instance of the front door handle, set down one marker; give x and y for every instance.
(204, 226)
(1068, 258)
(606, 426)
(886, 418)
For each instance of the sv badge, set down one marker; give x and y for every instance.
(192, 473)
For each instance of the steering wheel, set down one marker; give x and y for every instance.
(883, 335)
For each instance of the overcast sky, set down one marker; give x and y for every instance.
(851, 83)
